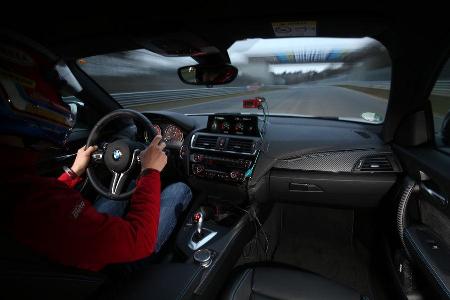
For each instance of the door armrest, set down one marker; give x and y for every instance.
(432, 256)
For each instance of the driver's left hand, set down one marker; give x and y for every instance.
(82, 160)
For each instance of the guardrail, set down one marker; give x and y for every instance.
(441, 87)
(139, 98)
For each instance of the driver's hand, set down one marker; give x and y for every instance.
(82, 160)
(153, 157)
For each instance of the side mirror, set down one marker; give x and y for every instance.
(207, 75)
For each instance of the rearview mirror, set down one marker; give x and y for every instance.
(207, 75)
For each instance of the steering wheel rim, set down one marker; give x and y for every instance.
(118, 178)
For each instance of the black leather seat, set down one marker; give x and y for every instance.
(27, 275)
(283, 283)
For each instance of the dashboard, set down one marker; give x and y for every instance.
(297, 159)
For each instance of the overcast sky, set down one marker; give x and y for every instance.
(240, 51)
(145, 62)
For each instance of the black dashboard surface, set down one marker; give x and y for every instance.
(299, 153)
(290, 137)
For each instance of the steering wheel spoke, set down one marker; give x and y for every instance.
(117, 183)
(119, 178)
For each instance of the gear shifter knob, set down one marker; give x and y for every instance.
(198, 219)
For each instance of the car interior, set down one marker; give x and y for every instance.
(285, 206)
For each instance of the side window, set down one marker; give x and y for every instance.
(440, 103)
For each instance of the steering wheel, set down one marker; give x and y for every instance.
(120, 157)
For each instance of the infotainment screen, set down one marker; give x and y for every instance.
(233, 124)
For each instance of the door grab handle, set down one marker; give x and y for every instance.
(435, 196)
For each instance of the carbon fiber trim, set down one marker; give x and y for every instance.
(333, 161)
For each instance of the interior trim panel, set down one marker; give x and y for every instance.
(432, 256)
(333, 161)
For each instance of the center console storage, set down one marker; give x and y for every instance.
(193, 272)
(161, 281)
(215, 244)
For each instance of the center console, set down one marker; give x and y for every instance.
(226, 150)
(219, 160)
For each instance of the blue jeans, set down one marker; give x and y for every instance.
(174, 200)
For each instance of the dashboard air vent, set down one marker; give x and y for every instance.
(241, 145)
(206, 141)
(376, 163)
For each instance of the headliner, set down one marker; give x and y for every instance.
(80, 35)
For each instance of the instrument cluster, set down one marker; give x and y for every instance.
(172, 135)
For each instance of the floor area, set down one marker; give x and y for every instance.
(320, 240)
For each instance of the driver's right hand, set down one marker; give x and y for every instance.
(153, 157)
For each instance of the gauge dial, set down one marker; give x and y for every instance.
(239, 127)
(157, 128)
(225, 126)
(173, 134)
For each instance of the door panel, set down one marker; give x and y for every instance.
(436, 220)
(431, 255)
(427, 236)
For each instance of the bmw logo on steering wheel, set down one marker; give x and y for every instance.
(117, 154)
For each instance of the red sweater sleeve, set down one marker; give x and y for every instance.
(69, 181)
(66, 228)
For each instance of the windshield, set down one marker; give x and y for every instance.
(345, 78)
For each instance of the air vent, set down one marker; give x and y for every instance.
(206, 141)
(377, 163)
(241, 145)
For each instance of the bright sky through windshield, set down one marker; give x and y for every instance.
(240, 50)
(292, 68)
(347, 78)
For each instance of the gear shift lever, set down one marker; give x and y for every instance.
(201, 235)
(198, 218)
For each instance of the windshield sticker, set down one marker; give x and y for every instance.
(372, 117)
(297, 28)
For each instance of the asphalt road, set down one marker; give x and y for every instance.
(313, 100)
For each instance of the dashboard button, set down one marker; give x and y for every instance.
(198, 169)
(197, 157)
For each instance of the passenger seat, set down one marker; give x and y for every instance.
(284, 283)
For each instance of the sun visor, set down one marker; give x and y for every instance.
(184, 44)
